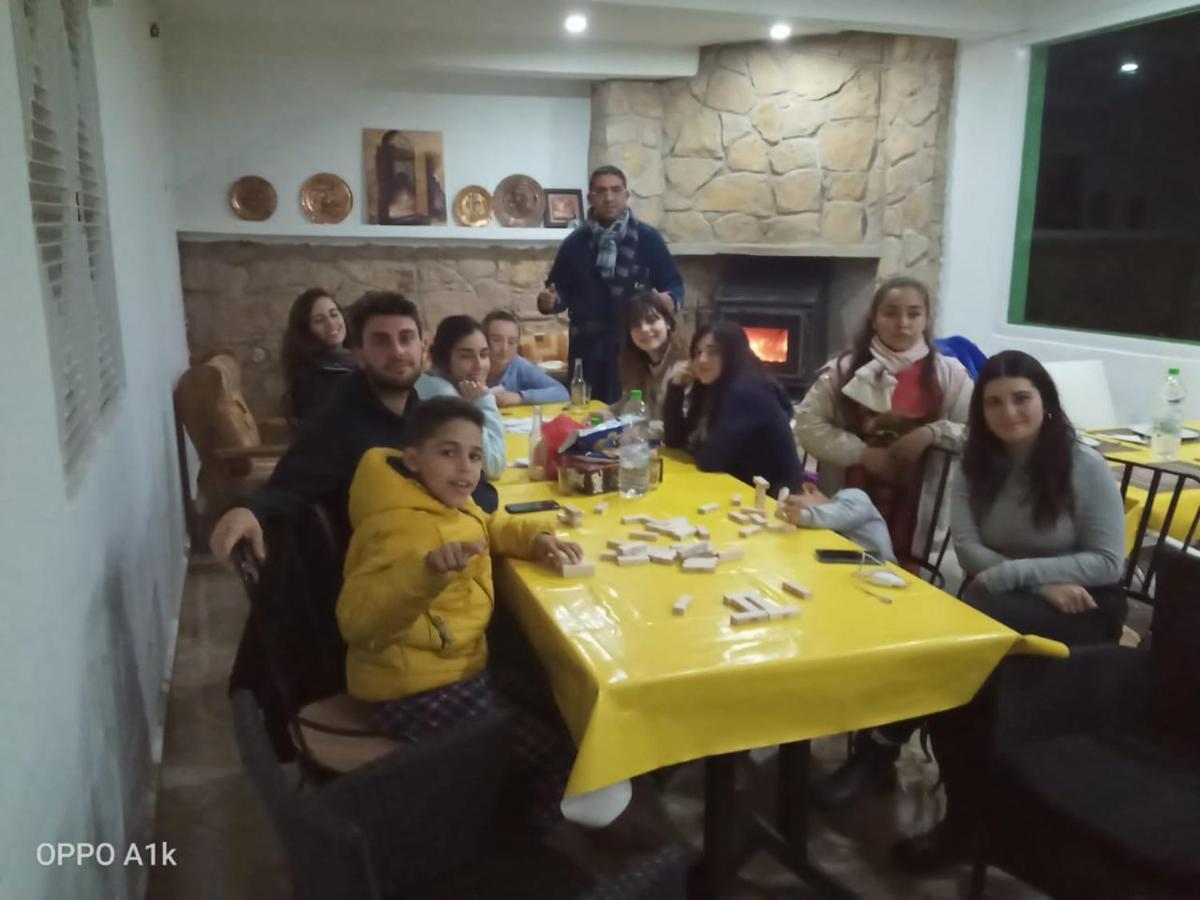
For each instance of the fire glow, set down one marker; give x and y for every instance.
(769, 344)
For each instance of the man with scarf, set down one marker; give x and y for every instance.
(599, 267)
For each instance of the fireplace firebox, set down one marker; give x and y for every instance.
(782, 305)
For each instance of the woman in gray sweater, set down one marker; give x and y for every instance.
(1039, 525)
(1037, 519)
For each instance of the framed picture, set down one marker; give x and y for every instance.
(564, 208)
(404, 176)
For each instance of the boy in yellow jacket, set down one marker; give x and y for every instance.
(418, 595)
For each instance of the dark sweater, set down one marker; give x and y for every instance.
(750, 436)
(318, 383)
(597, 322)
(319, 465)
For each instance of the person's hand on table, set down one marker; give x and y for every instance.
(808, 496)
(453, 557)
(907, 451)
(551, 551)
(508, 398)
(1067, 598)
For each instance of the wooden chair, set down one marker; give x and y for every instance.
(234, 457)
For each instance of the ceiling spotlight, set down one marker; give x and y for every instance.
(780, 31)
(576, 24)
(1129, 68)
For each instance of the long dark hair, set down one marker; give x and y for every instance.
(737, 361)
(859, 353)
(986, 462)
(450, 331)
(300, 346)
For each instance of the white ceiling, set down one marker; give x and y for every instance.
(633, 38)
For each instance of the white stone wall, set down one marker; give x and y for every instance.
(825, 141)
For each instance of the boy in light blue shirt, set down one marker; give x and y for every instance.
(512, 378)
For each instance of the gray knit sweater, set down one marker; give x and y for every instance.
(1006, 551)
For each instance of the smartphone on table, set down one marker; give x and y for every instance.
(531, 506)
(854, 557)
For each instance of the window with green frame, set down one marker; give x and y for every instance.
(1108, 224)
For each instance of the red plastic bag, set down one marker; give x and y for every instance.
(554, 433)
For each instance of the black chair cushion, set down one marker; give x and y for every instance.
(1175, 635)
(1140, 793)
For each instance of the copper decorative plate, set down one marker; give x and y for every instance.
(326, 199)
(520, 202)
(473, 206)
(252, 198)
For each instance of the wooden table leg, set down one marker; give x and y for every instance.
(716, 866)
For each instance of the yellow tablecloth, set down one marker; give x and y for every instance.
(641, 688)
(1189, 499)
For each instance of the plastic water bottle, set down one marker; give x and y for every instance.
(634, 475)
(537, 470)
(1167, 424)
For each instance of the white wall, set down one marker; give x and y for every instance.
(285, 117)
(90, 580)
(985, 168)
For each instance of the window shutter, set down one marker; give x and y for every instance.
(57, 77)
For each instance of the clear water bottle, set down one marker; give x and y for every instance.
(537, 453)
(634, 476)
(579, 387)
(1167, 424)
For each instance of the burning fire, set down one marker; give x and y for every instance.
(769, 344)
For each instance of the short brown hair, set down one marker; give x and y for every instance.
(607, 170)
(430, 415)
(379, 303)
(500, 315)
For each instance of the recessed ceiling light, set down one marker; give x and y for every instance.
(780, 31)
(576, 24)
(1129, 68)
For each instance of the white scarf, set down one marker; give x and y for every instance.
(875, 382)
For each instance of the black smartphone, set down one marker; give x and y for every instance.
(532, 506)
(840, 556)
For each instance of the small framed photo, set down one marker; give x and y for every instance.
(564, 208)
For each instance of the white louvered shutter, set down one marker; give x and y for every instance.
(57, 76)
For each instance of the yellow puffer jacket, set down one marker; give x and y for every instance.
(407, 628)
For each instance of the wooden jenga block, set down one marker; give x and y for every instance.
(709, 507)
(705, 564)
(581, 569)
(680, 606)
(797, 589)
(635, 559)
(750, 530)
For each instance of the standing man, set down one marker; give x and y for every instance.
(599, 266)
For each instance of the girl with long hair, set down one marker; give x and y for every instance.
(729, 413)
(1039, 527)
(652, 347)
(460, 361)
(315, 358)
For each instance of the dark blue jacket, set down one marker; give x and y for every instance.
(597, 323)
(752, 433)
(320, 462)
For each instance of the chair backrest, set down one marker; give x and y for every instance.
(922, 539)
(1084, 392)
(209, 402)
(328, 854)
(1174, 640)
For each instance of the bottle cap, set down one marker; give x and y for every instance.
(596, 420)
(1172, 371)
(635, 395)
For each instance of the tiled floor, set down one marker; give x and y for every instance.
(226, 850)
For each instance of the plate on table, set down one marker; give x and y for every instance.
(1089, 441)
(553, 365)
(1187, 434)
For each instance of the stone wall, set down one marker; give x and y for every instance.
(237, 295)
(823, 141)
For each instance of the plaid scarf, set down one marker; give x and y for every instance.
(616, 247)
